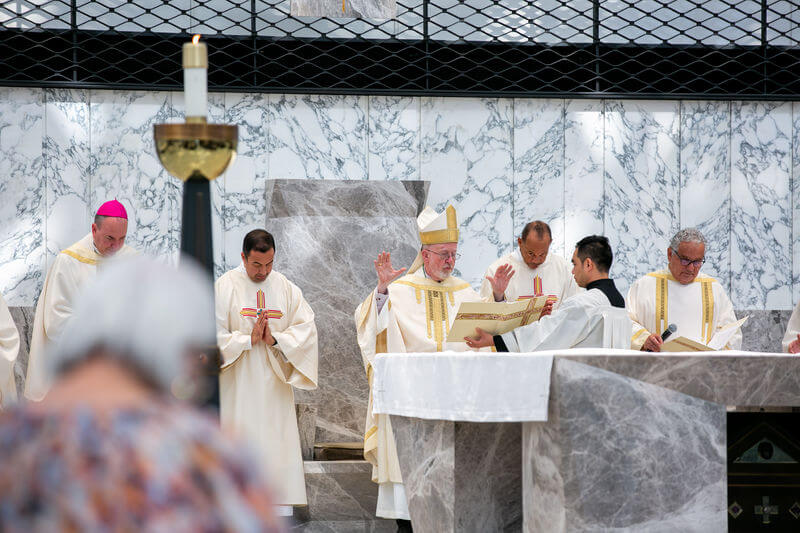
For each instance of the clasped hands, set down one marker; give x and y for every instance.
(261, 332)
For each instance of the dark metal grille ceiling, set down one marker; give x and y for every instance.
(574, 48)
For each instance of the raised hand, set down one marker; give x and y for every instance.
(386, 274)
(502, 276)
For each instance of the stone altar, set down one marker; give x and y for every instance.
(632, 441)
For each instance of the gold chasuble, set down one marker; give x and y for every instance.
(415, 317)
(71, 270)
(256, 394)
(699, 308)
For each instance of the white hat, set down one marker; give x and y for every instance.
(438, 228)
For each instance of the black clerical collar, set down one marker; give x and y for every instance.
(608, 288)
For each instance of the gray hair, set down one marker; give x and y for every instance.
(144, 314)
(687, 235)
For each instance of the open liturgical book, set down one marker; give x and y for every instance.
(496, 318)
(717, 342)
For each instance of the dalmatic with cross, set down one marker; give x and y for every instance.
(257, 380)
(699, 308)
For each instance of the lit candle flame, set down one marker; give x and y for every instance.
(196, 39)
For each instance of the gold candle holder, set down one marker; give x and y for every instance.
(196, 148)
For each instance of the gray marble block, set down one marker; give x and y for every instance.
(618, 454)
(23, 319)
(327, 235)
(460, 476)
(764, 330)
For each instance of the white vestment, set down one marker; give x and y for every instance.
(585, 320)
(792, 328)
(71, 269)
(416, 318)
(9, 349)
(699, 309)
(554, 276)
(256, 396)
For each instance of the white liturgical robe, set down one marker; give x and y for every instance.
(699, 309)
(256, 395)
(585, 320)
(554, 276)
(416, 318)
(9, 349)
(71, 270)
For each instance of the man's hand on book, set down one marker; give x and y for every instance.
(480, 340)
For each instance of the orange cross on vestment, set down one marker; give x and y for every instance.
(261, 307)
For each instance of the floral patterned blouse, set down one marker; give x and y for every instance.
(162, 468)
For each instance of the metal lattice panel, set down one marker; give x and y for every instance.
(633, 48)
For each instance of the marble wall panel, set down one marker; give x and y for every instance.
(317, 137)
(327, 234)
(705, 180)
(66, 169)
(372, 9)
(467, 153)
(795, 202)
(641, 184)
(124, 166)
(21, 195)
(338, 491)
(393, 138)
(761, 210)
(624, 454)
(584, 128)
(538, 186)
(243, 204)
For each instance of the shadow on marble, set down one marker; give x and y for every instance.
(340, 491)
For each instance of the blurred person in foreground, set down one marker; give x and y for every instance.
(108, 448)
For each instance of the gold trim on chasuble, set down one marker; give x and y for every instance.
(707, 301)
(436, 313)
(80, 258)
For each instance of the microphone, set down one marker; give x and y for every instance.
(672, 328)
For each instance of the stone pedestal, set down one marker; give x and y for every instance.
(327, 235)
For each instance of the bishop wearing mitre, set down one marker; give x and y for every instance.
(410, 314)
(72, 268)
(268, 340)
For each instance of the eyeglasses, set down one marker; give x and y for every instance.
(446, 255)
(686, 262)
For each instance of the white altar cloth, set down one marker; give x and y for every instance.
(469, 387)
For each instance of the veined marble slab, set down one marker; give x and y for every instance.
(618, 454)
(327, 234)
(23, 319)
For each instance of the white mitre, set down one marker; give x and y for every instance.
(435, 228)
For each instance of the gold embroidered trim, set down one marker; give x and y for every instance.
(431, 286)
(708, 309)
(670, 277)
(439, 236)
(662, 316)
(80, 258)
